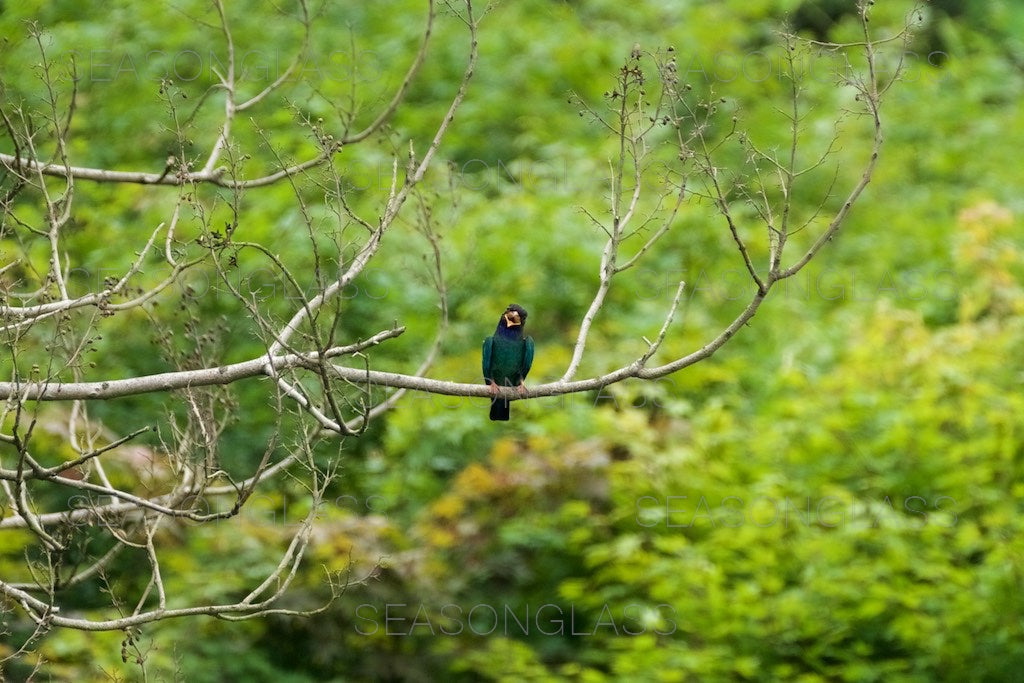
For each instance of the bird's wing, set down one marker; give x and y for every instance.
(527, 356)
(488, 345)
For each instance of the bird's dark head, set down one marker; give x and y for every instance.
(512, 320)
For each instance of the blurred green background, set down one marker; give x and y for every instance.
(836, 495)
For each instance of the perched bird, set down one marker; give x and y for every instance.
(508, 356)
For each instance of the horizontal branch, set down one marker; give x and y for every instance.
(216, 176)
(180, 379)
(227, 374)
(59, 391)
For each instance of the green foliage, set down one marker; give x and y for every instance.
(835, 496)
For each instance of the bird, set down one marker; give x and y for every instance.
(507, 358)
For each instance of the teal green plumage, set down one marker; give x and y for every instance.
(507, 358)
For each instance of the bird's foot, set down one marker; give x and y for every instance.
(493, 388)
(521, 389)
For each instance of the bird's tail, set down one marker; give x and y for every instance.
(500, 409)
